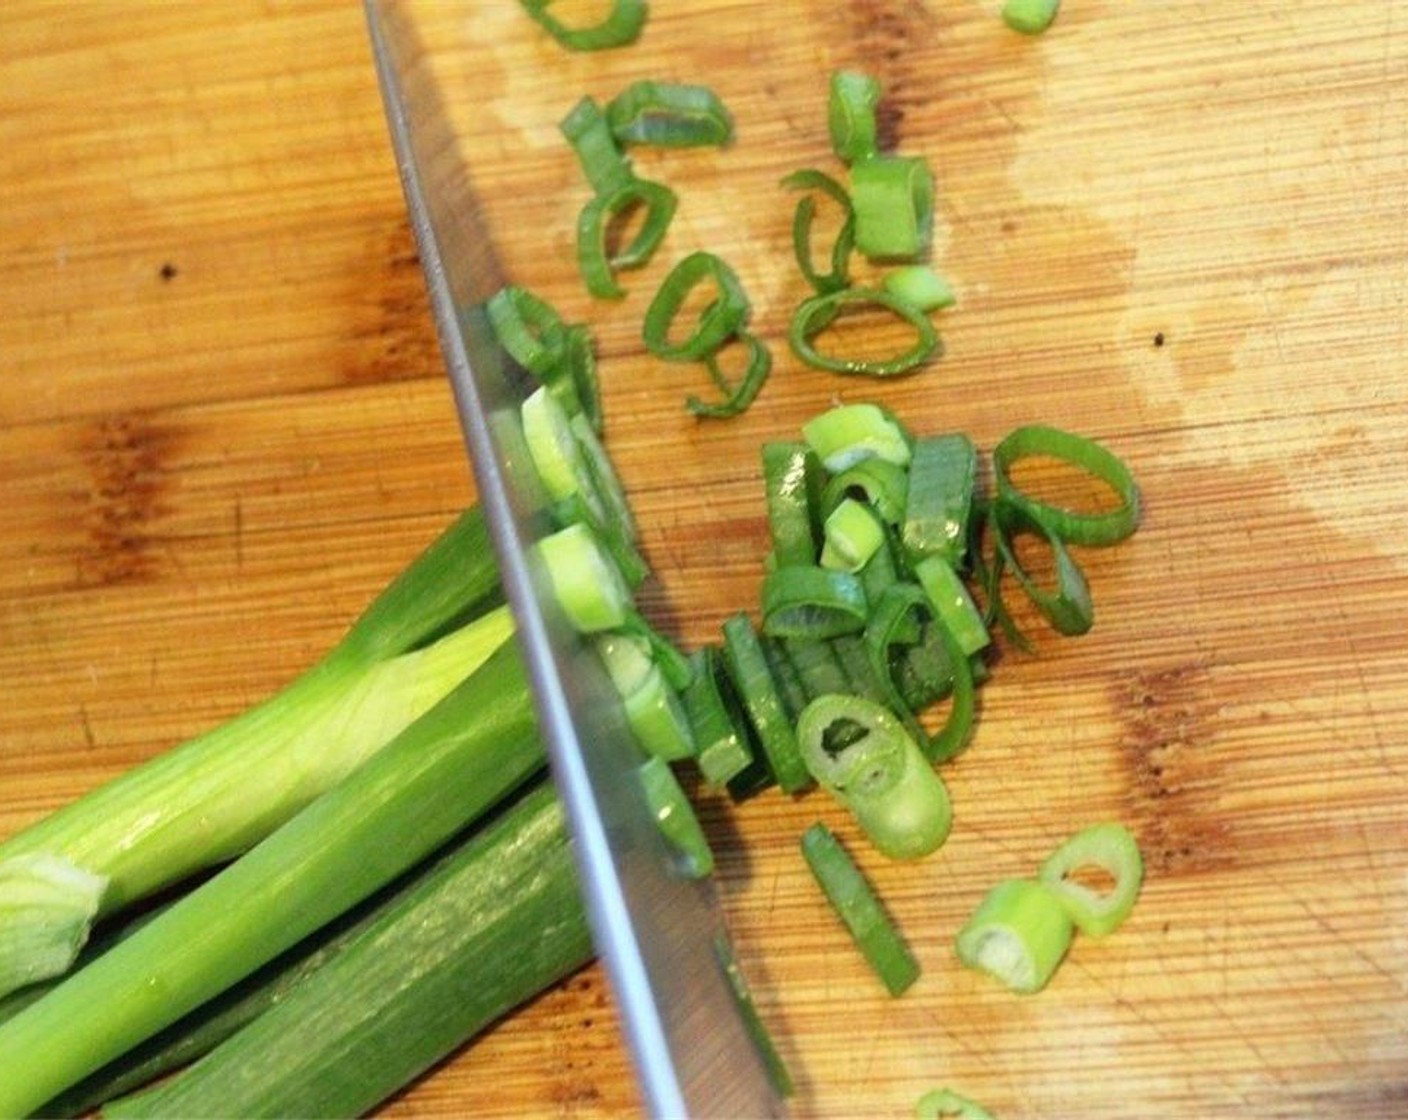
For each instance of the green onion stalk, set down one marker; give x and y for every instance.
(217, 795)
(464, 756)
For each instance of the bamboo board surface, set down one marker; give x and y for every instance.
(1179, 227)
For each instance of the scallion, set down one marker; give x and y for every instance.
(814, 315)
(855, 903)
(850, 115)
(669, 115)
(939, 1104)
(1107, 848)
(620, 26)
(1018, 935)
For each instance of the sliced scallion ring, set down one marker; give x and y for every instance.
(619, 27)
(1072, 526)
(809, 601)
(920, 285)
(850, 115)
(586, 582)
(854, 533)
(939, 499)
(675, 817)
(1030, 17)
(740, 394)
(597, 264)
(856, 904)
(527, 327)
(814, 315)
(1067, 606)
(803, 217)
(669, 115)
(846, 434)
(1018, 935)
(893, 198)
(884, 486)
(860, 752)
(1111, 849)
(721, 318)
(586, 129)
(792, 480)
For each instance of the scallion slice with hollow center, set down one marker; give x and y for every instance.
(619, 27)
(860, 753)
(814, 315)
(1019, 935)
(1072, 526)
(721, 317)
(669, 115)
(1109, 848)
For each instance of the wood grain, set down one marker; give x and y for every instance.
(1181, 228)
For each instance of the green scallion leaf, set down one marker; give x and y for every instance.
(893, 198)
(856, 904)
(850, 115)
(814, 315)
(620, 27)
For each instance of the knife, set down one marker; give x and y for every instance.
(661, 936)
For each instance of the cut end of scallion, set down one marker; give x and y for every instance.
(1018, 935)
(47, 906)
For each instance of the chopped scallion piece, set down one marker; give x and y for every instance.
(530, 330)
(819, 182)
(921, 286)
(1067, 606)
(723, 316)
(586, 128)
(597, 264)
(893, 198)
(1072, 526)
(1108, 848)
(47, 905)
(814, 315)
(816, 663)
(808, 601)
(718, 727)
(881, 484)
(952, 604)
(860, 752)
(778, 1072)
(554, 449)
(850, 115)
(748, 667)
(1030, 17)
(939, 501)
(862, 913)
(653, 709)
(618, 28)
(586, 582)
(846, 434)
(669, 115)
(792, 480)
(1018, 935)
(853, 535)
(740, 394)
(675, 816)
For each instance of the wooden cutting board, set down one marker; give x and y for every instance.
(1179, 227)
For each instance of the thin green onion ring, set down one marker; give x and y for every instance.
(880, 483)
(529, 328)
(809, 179)
(938, 1104)
(814, 315)
(1085, 454)
(893, 198)
(620, 27)
(669, 115)
(808, 601)
(720, 319)
(1067, 606)
(740, 394)
(597, 265)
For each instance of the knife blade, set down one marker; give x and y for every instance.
(661, 936)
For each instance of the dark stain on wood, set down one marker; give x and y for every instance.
(127, 459)
(392, 334)
(1169, 717)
